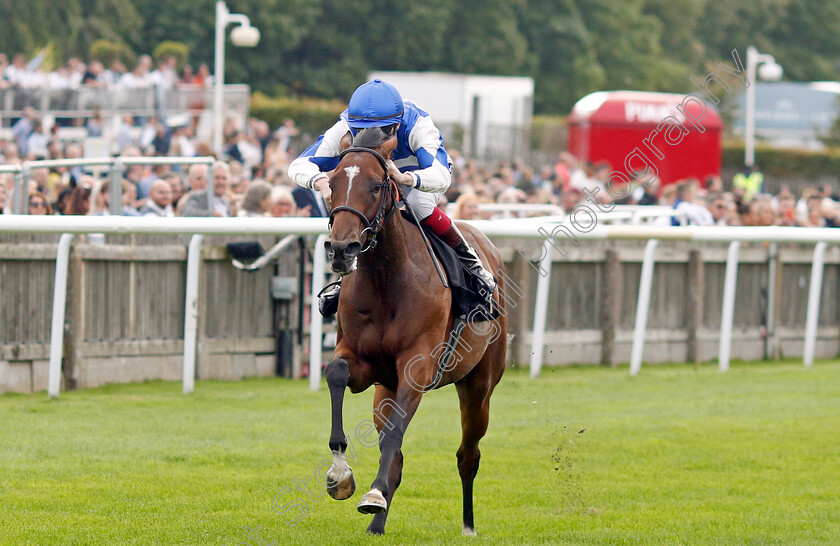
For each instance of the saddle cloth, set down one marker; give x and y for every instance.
(464, 285)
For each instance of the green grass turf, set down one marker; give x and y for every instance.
(677, 455)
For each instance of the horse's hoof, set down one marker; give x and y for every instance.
(372, 503)
(341, 485)
(468, 532)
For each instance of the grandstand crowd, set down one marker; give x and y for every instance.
(250, 180)
(22, 74)
(250, 176)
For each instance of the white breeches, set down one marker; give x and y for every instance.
(423, 203)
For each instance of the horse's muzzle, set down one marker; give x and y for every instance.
(343, 255)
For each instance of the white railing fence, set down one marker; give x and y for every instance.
(609, 214)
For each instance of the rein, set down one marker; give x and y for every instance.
(372, 227)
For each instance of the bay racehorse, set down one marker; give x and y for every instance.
(394, 318)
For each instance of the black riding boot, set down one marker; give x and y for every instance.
(472, 263)
(328, 302)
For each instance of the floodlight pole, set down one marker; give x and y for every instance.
(223, 18)
(754, 58)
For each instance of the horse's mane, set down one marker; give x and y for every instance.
(370, 137)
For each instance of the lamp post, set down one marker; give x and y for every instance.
(769, 70)
(243, 35)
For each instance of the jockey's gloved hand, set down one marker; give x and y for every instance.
(323, 185)
(403, 179)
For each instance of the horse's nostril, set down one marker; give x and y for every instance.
(353, 250)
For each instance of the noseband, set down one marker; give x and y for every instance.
(372, 227)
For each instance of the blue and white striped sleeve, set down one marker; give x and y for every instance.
(319, 157)
(434, 173)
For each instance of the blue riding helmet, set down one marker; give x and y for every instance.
(374, 104)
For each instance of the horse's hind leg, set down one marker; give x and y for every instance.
(383, 403)
(474, 393)
(340, 482)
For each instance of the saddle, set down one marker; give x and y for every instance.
(464, 285)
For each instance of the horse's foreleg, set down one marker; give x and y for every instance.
(404, 405)
(340, 482)
(383, 405)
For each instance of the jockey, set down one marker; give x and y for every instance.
(419, 162)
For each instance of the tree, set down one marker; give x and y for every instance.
(70, 26)
(484, 38)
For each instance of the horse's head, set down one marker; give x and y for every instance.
(361, 192)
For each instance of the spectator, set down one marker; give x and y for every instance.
(587, 179)
(74, 174)
(762, 213)
(139, 77)
(95, 76)
(165, 75)
(813, 216)
(750, 180)
(442, 202)
(40, 177)
(569, 199)
(648, 194)
(311, 201)
(714, 183)
(16, 73)
(827, 190)
(11, 154)
(79, 202)
(787, 209)
(257, 201)
(195, 202)
(159, 202)
(284, 135)
(38, 205)
(563, 169)
(283, 204)
(62, 201)
(466, 207)
(829, 211)
(182, 140)
(161, 140)
(802, 205)
(4, 63)
(716, 203)
(22, 129)
(176, 182)
(114, 74)
(95, 125)
(100, 199)
(36, 143)
(510, 196)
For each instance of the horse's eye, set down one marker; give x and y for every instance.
(377, 188)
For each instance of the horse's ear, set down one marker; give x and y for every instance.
(346, 141)
(388, 146)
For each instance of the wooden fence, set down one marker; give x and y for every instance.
(125, 310)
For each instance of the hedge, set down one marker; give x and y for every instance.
(180, 51)
(787, 163)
